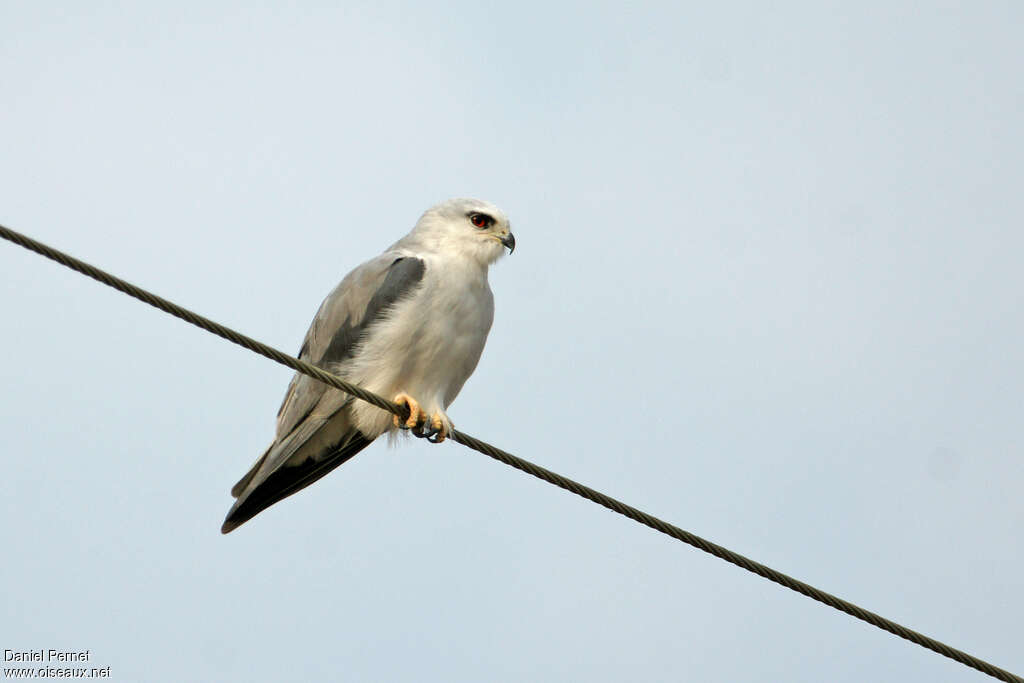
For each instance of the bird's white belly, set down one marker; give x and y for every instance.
(427, 348)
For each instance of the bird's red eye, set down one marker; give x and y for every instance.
(479, 220)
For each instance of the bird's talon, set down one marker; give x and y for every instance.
(416, 416)
(435, 429)
(438, 430)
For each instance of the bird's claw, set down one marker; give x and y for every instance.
(435, 430)
(416, 415)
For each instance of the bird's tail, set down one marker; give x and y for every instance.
(284, 481)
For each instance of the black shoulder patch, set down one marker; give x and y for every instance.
(403, 277)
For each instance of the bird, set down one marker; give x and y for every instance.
(409, 324)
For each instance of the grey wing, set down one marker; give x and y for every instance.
(314, 429)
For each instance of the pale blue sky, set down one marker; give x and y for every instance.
(767, 286)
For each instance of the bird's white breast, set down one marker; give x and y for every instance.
(429, 343)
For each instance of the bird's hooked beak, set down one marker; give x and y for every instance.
(509, 241)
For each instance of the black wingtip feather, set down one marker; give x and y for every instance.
(287, 481)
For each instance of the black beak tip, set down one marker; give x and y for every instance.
(509, 241)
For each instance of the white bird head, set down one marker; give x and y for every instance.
(473, 227)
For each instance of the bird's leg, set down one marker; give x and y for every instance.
(416, 415)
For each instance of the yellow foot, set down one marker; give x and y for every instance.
(436, 432)
(435, 429)
(416, 416)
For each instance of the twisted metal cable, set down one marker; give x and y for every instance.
(518, 463)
